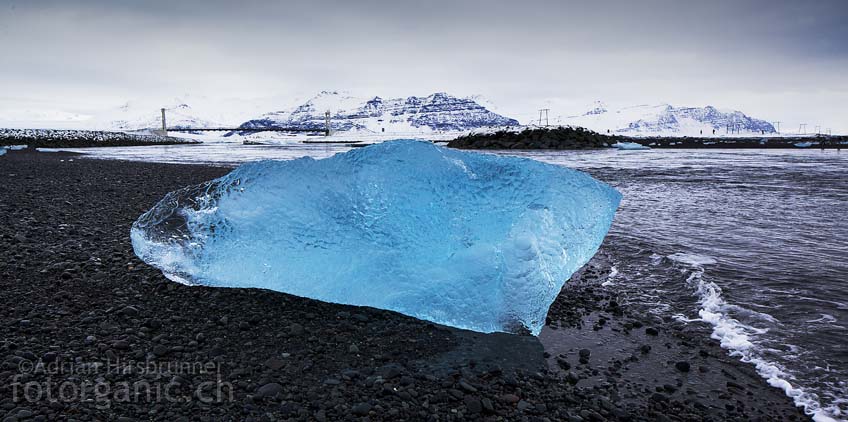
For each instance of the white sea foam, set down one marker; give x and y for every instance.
(692, 259)
(826, 318)
(612, 274)
(737, 337)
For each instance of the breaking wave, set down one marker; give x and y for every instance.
(739, 338)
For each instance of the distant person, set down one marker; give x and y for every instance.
(713, 131)
(702, 131)
(607, 130)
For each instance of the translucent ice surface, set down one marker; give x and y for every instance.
(630, 146)
(471, 240)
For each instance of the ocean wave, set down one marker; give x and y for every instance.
(736, 336)
(692, 259)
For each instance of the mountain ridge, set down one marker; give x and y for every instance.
(665, 119)
(436, 112)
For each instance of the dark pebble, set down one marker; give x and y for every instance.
(269, 390)
(473, 405)
(361, 409)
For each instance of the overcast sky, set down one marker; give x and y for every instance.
(776, 60)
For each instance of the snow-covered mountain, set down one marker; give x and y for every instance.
(436, 112)
(665, 119)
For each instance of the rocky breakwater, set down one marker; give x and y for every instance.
(554, 138)
(54, 138)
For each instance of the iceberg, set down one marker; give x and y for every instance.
(629, 146)
(4, 148)
(470, 240)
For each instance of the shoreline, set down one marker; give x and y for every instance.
(75, 292)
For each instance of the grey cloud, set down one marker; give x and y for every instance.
(519, 54)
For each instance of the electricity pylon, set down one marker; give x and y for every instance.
(543, 110)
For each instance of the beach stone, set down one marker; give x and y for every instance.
(488, 407)
(510, 398)
(296, 329)
(274, 363)
(121, 345)
(269, 390)
(153, 323)
(473, 404)
(659, 397)
(682, 366)
(390, 371)
(129, 311)
(467, 387)
(350, 373)
(361, 409)
(651, 331)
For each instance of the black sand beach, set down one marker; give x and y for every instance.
(89, 332)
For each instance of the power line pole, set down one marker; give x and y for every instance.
(778, 126)
(818, 130)
(327, 123)
(543, 110)
(802, 130)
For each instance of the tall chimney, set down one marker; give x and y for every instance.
(164, 126)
